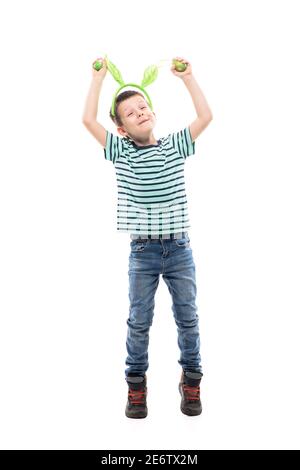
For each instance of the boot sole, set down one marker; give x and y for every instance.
(137, 414)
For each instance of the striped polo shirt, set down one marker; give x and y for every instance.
(151, 186)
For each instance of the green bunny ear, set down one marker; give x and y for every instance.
(150, 75)
(114, 71)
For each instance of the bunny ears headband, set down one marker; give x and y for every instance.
(150, 75)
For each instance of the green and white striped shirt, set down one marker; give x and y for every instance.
(150, 179)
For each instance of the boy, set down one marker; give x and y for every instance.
(152, 207)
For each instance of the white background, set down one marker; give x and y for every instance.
(64, 266)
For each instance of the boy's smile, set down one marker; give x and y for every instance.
(138, 120)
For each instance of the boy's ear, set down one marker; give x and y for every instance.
(122, 132)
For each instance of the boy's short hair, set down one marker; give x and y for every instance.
(122, 97)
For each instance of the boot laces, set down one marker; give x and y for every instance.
(191, 393)
(136, 397)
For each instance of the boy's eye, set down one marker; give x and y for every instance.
(141, 108)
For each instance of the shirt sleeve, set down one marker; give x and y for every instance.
(113, 148)
(182, 142)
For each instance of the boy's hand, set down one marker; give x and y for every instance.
(99, 74)
(186, 73)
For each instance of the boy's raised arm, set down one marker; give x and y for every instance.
(204, 114)
(89, 117)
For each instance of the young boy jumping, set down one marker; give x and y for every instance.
(152, 207)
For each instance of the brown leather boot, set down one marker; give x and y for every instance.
(136, 406)
(189, 389)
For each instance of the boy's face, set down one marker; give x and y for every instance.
(133, 112)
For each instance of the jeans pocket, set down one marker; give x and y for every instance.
(183, 242)
(138, 246)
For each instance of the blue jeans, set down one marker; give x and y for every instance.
(173, 259)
